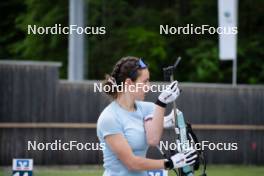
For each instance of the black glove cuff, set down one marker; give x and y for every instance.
(168, 164)
(159, 103)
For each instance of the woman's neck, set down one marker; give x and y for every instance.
(126, 102)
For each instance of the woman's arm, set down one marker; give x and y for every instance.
(121, 148)
(154, 126)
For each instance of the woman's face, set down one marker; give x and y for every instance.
(141, 85)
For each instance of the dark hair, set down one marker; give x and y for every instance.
(121, 71)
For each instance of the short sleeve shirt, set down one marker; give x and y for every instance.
(116, 120)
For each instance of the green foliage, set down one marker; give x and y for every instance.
(133, 29)
(40, 47)
(204, 64)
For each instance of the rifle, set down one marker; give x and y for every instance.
(183, 130)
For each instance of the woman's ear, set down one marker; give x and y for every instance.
(128, 81)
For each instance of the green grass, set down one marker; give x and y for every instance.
(234, 170)
(213, 170)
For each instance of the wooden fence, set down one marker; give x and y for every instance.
(36, 106)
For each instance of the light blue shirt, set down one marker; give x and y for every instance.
(116, 120)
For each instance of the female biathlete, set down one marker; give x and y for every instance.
(128, 125)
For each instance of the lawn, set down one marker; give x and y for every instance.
(213, 170)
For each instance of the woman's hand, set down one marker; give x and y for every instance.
(169, 120)
(182, 159)
(168, 95)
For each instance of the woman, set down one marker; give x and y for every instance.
(128, 125)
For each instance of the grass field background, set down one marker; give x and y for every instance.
(95, 170)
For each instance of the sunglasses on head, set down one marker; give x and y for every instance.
(139, 65)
